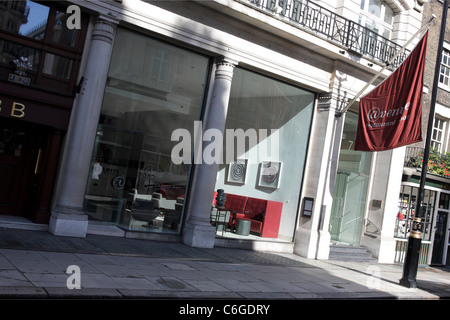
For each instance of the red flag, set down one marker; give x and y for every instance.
(390, 116)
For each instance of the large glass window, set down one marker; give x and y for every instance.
(267, 132)
(152, 89)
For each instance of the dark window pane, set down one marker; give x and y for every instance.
(61, 34)
(11, 53)
(57, 66)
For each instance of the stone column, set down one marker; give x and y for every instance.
(198, 231)
(68, 218)
(312, 238)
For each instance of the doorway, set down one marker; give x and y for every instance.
(350, 189)
(21, 150)
(440, 238)
(348, 208)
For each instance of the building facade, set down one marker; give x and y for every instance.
(169, 102)
(435, 240)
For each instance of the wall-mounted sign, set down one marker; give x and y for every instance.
(19, 79)
(17, 109)
(19, 75)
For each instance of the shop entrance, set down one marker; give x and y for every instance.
(350, 189)
(440, 238)
(21, 149)
(348, 210)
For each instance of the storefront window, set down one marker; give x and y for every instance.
(407, 210)
(267, 132)
(134, 183)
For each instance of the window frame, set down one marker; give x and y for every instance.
(40, 79)
(439, 126)
(445, 53)
(365, 17)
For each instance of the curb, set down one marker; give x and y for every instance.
(107, 294)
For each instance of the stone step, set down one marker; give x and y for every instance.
(347, 248)
(350, 253)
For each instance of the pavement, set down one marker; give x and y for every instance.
(39, 265)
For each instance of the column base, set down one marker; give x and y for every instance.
(408, 283)
(323, 245)
(68, 223)
(305, 243)
(199, 235)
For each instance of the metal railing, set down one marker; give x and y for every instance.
(313, 18)
(438, 163)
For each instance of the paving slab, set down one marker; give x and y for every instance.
(85, 293)
(159, 270)
(22, 292)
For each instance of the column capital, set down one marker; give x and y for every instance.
(104, 28)
(224, 68)
(222, 60)
(330, 101)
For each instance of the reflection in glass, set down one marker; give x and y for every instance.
(26, 18)
(152, 89)
(11, 51)
(61, 34)
(57, 66)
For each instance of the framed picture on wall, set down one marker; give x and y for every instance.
(269, 174)
(237, 171)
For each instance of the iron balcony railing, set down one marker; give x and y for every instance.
(313, 18)
(438, 163)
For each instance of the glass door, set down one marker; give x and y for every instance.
(348, 207)
(350, 192)
(440, 237)
(338, 208)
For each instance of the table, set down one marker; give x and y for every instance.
(221, 213)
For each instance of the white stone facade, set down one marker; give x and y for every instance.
(268, 44)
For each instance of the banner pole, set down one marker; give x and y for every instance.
(411, 262)
(425, 26)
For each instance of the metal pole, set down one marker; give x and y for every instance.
(415, 238)
(375, 77)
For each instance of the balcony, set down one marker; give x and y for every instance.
(438, 163)
(324, 23)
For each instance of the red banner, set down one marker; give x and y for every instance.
(390, 116)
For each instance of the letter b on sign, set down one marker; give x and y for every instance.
(74, 280)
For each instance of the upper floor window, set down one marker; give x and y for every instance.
(377, 16)
(37, 44)
(444, 73)
(438, 136)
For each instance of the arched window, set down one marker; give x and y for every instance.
(377, 16)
